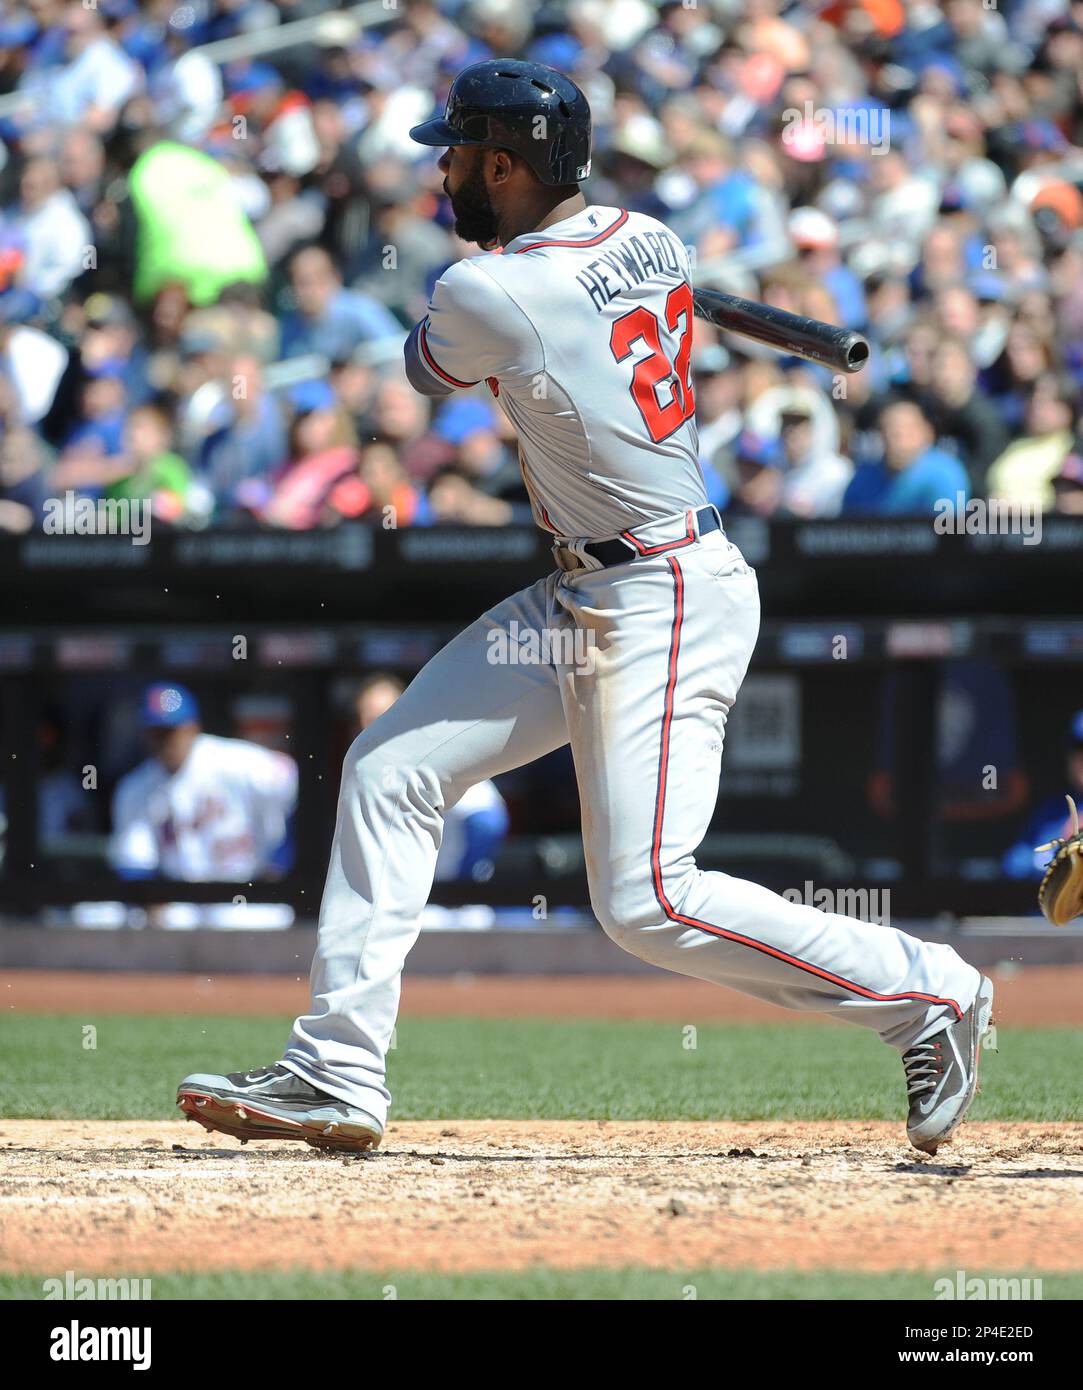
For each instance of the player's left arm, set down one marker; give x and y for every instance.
(474, 330)
(133, 846)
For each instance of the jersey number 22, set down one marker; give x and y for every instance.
(661, 420)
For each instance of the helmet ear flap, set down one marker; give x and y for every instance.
(559, 151)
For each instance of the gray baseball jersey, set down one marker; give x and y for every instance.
(584, 332)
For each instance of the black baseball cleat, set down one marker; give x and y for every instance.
(273, 1103)
(942, 1073)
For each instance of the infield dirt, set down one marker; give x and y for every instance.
(140, 1196)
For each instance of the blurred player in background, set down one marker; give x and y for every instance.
(474, 828)
(200, 808)
(1050, 820)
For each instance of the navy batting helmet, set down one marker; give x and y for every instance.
(534, 111)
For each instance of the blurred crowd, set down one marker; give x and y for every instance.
(212, 245)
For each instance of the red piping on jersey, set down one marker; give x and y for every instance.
(668, 545)
(593, 241)
(433, 363)
(656, 838)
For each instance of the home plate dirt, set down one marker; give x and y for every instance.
(138, 1196)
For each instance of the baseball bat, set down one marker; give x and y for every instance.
(840, 348)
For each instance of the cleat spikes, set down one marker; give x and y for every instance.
(248, 1106)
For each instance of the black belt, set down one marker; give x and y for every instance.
(620, 552)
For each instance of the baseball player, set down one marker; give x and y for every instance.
(199, 807)
(582, 329)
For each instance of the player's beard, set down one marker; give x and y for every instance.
(475, 217)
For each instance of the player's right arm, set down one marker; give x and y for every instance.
(473, 331)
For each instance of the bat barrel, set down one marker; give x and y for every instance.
(840, 348)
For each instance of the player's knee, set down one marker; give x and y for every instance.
(373, 773)
(361, 767)
(628, 910)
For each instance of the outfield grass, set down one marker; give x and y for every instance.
(576, 1284)
(473, 1068)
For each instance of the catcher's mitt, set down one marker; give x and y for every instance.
(1060, 893)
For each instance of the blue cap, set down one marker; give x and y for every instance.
(312, 395)
(753, 448)
(1075, 729)
(462, 54)
(110, 368)
(167, 706)
(561, 51)
(17, 30)
(986, 285)
(463, 417)
(18, 304)
(251, 77)
(951, 67)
